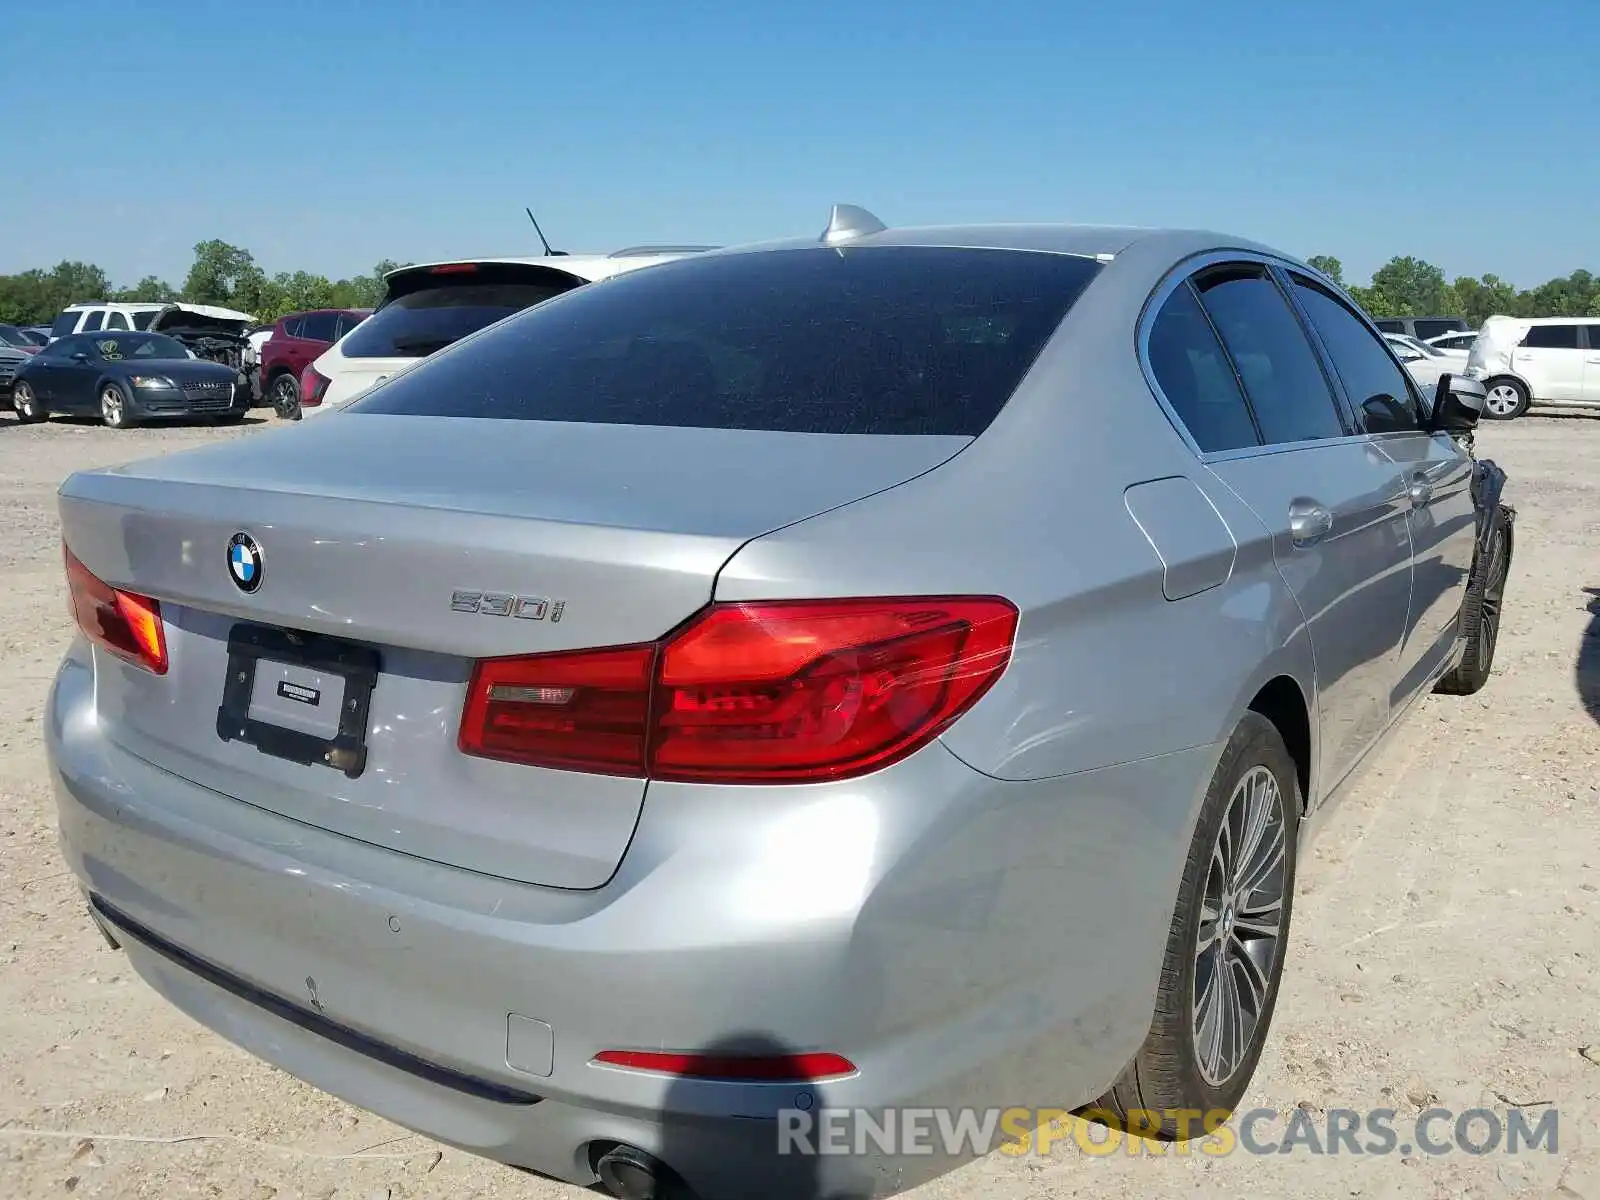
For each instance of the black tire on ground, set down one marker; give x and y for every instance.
(1509, 387)
(1164, 1093)
(114, 407)
(284, 394)
(1480, 610)
(26, 405)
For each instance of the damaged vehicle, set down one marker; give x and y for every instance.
(207, 331)
(890, 670)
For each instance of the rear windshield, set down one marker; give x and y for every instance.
(426, 312)
(66, 323)
(873, 340)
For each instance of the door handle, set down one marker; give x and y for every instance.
(1309, 522)
(1419, 490)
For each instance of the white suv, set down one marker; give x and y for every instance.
(1527, 361)
(428, 306)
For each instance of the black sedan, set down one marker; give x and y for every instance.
(125, 378)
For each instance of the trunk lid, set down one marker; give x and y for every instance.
(388, 532)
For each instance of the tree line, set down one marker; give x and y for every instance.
(229, 276)
(220, 274)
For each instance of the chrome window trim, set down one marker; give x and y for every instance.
(1177, 276)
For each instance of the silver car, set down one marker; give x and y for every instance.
(893, 670)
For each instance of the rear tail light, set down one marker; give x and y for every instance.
(773, 692)
(773, 1068)
(313, 386)
(126, 624)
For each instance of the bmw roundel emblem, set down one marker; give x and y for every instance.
(244, 562)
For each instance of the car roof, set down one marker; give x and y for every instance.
(1558, 320)
(1089, 241)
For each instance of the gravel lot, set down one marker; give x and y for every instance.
(1445, 949)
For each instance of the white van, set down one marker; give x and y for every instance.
(1529, 361)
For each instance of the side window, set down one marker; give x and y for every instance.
(1379, 391)
(291, 326)
(320, 326)
(1282, 376)
(1390, 325)
(115, 320)
(1432, 329)
(96, 317)
(347, 322)
(1195, 376)
(1552, 337)
(65, 323)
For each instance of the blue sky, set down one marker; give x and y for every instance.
(329, 136)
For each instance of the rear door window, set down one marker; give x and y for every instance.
(1390, 325)
(869, 340)
(320, 326)
(97, 317)
(429, 310)
(1427, 328)
(1197, 379)
(117, 320)
(1379, 391)
(292, 325)
(1552, 337)
(1283, 379)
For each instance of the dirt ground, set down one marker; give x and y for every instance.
(1445, 951)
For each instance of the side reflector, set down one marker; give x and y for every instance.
(125, 623)
(783, 1068)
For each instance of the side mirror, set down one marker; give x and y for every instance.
(1457, 405)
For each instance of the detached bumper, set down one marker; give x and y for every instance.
(964, 942)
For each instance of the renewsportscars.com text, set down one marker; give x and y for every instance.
(1018, 1131)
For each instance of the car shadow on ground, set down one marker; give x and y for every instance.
(1589, 657)
(9, 421)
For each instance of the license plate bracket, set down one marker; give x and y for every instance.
(358, 666)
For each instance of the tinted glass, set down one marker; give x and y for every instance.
(117, 320)
(1195, 376)
(12, 336)
(65, 323)
(431, 312)
(68, 346)
(1429, 328)
(1380, 391)
(95, 319)
(143, 320)
(291, 326)
(1282, 378)
(347, 322)
(1552, 337)
(320, 326)
(138, 346)
(1390, 325)
(891, 340)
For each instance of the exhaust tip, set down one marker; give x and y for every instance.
(631, 1174)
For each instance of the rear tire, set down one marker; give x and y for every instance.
(114, 407)
(1480, 611)
(1507, 400)
(28, 409)
(1225, 951)
(284, 395)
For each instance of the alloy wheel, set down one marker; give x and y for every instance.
(1503, 400)
(111, 410)
(1241, 922)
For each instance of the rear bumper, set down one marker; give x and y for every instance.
(964, 942)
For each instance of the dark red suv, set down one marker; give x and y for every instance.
(296, 340)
